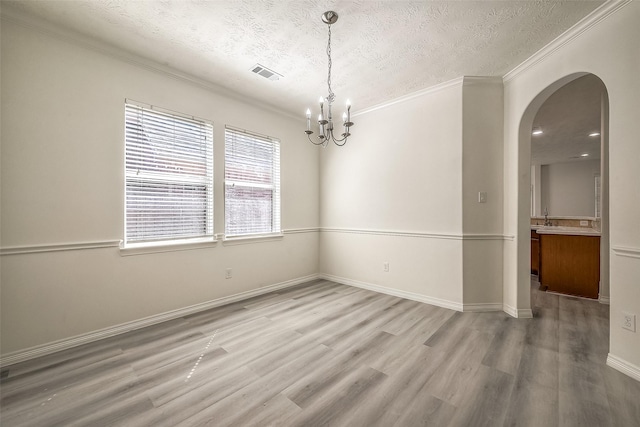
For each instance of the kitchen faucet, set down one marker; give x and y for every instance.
(547, 223)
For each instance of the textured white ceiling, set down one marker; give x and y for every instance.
(566, 119)
(381, 49)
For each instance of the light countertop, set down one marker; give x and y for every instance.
(572, 231)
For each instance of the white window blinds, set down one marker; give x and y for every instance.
(252, 183)
(168, 176)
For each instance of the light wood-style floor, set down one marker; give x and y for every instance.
(327, 354)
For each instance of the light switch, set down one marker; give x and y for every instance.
(482, 197)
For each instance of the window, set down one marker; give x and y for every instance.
(168, 176)
(252, 184)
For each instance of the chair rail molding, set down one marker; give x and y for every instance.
(57, 247)
(626, 251)
(417, 234)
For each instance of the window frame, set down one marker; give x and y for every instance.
(275, 187)
(149, 243)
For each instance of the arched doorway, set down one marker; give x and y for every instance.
(527, 125)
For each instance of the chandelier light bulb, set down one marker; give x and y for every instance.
(348, 112)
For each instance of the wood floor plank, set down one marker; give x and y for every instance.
(424, 329)
(322, 353)
(622, 395)
(482, 399)
(459, 366)
(334, 405)
(576, 410)
(312, 385)
(87, 397)
(400, 390)
(505, 351)
(532, 405)
(426, 410)
(277, 411)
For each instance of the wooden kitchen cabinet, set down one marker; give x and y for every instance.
(570, 264)
(535, 252)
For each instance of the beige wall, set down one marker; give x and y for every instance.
(405, 191)
(482, 173)
(393, 194)
(62, 183)
(400, 170)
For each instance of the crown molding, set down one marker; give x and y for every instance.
(483, 80)
(433, 89)
(459, 81)
(591, 20)
(89, 43)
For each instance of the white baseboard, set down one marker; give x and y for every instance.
(604, 300)
(64, 344)
(518, 313)
(452, 305)
(482, 307)
(623, 366)
(395, 292)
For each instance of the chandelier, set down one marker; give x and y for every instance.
(326, 130)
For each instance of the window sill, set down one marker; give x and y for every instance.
(255, 238)
(160, 247)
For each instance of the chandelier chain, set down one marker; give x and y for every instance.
(331, 96)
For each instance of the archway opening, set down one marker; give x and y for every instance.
(571, 146)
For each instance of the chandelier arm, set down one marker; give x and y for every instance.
(315, 143)
(339, 141)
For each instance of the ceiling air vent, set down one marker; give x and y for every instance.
(265, 72)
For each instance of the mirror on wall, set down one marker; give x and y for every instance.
(565, 151)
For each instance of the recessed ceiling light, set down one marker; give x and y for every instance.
(584, 155)
(536, 131)
(594, 134)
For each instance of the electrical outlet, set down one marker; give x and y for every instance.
(482, 197)
(227, 273)
(584, 223)
(385, 267)
(629, 321)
